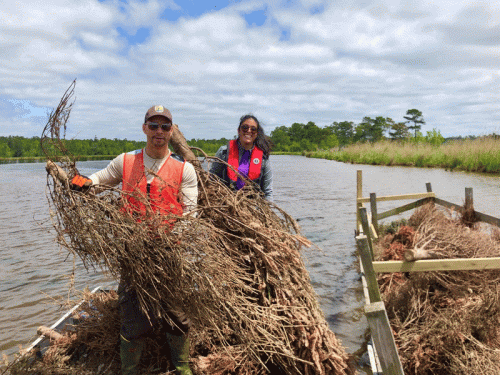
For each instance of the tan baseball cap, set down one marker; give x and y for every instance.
(158, 110)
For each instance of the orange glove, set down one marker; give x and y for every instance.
(80, 183)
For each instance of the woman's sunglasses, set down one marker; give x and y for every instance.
(247, 128)
(154, 126)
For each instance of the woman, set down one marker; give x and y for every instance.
(249, 155)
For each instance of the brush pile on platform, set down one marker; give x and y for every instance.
(233, 266)
(443, 322)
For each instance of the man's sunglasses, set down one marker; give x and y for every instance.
(154, 126)
(246, 128)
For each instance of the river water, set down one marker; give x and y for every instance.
(319, 194)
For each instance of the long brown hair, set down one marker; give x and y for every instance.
(262, 141)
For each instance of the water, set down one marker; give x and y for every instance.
(320, 194)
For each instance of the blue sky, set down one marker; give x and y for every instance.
(285, 61)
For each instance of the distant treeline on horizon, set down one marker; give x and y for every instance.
(296, 138)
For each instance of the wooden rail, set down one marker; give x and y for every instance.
(401, 209)
(398, 197)
(465, 264)
(380, 329)
(385, 347)
(366, 228)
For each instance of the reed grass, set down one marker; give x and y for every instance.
(478, 155)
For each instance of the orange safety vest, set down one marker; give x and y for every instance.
(163, 192)
(233, 160)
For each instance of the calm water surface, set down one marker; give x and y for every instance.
(320, 194)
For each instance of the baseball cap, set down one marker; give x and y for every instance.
(158, 110)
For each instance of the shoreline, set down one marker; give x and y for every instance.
(479, 156)
(43, 159)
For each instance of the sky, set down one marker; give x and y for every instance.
(284, 61)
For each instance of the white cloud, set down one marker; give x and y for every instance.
(102, 41)
(342, 63)
(59, 18)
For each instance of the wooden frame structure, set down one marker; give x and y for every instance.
(386, 360)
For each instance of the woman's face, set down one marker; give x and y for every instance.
(247, 133)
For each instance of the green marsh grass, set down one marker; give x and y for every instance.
(478, 155)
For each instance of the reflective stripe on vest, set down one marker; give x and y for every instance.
(233, 159)
(163, 191)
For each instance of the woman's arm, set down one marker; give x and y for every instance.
(218, 168)
(266, 183)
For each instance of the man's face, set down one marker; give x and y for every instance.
(157, 138)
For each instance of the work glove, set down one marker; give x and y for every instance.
(80, 183)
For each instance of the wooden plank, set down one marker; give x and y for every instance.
(438, 265)
(458, 208)
(373, 209)
(451, 206)
(487, 219)
(399, 197)
(383, 339)
(359, 194)
(373, 232)
(372, 352)
(401, 209)
(369, 273)
(374, 361)
(365, 224)
(363, 280)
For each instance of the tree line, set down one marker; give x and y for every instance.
(296, 138)
(309, 137)
(21, 147)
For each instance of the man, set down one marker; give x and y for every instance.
(177, 179)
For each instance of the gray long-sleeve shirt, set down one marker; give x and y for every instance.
(220, 170)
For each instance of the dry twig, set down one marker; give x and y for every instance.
(235, 269)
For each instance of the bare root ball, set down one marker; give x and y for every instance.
(444, 322)
(234, 266)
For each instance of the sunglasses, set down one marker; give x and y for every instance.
(155, 126)
(247, 128)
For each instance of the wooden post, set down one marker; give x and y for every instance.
(383, 339)
(359, 194)
(373, 207)
(428, 187)
(469, 201)
(366, 227)
(367, 263)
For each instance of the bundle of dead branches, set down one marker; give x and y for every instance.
(444, 322)
(234, 268)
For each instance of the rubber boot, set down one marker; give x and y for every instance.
(130, 355)
(179, 353)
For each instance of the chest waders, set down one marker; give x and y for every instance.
(134, 323)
